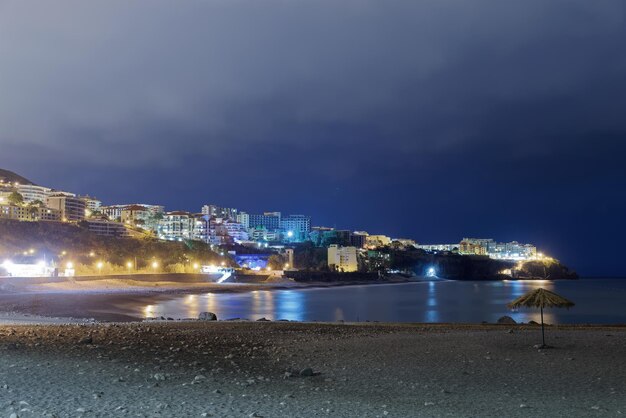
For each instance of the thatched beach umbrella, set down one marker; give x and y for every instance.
(541, 298)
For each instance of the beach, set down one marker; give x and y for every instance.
(276, 369)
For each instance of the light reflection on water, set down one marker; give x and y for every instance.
(597, 301)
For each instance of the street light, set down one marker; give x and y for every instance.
(129, 265)
(155, 265)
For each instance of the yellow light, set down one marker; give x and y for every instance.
(100, 265)
(195, 265)
(92, 254)
(268, 268)
(129, 264)
(69, 265)
(63, 252)
(32, 251)
(155, 264)
(223, 263)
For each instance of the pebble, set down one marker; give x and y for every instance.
(308, 372)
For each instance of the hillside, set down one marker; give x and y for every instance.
(71, 243)
(11, 177)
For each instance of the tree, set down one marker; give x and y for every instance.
(276, 262)
(37, 203)
(15, 199)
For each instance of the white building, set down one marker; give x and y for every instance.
(175, 226)
(236, 230)
(437, 247)
(342, 259)
(244, 219)
(92, 203)
(215, 211)
(31, 192)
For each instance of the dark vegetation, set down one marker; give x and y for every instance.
(10, 177)
(67, 242)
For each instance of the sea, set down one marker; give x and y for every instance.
(597, 301)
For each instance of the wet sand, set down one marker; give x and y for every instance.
(239, 369)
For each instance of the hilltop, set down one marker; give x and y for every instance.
(11, 177)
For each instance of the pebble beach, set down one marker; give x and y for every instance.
(279, 369)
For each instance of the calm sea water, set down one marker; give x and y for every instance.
(598, 301)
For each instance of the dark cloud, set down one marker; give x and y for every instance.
(430, 119)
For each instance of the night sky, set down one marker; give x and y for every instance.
(430, 120)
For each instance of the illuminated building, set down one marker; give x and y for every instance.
(177, 225)
(375, 241)
(29, 213)
(31, 192)
(92, 203)
(342, 259)
(136, 215)
(71, 208)
(295, 228)
(269, 220)
(215, 211)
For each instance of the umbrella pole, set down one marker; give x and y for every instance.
(543, 336)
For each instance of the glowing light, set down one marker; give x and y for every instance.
(129, 264)
(195, 266)
(290, 234)
(31, 251)
(100, 264)
(155, 264)
(69, 265)
(92, 254)
(431, 272)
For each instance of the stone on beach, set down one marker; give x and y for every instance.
(506, 320)
(207, 316)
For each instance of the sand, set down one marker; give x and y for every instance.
(240, 369)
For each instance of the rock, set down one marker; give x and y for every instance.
(199, 377)
(263, 319)
(207, 316)
(308, 372)
(533, 323)
(86, 340)
(506, 320)
(159, 376)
